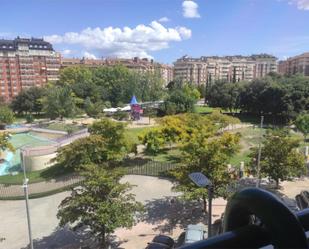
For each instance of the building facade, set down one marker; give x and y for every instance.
(295, 65)
(136, 64)
(26, 63)
(206, 70)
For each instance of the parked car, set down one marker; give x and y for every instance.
(194, 233)
(161, 242)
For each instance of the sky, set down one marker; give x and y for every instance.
(161, 29)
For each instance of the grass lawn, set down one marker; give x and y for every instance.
(36, 176)
(135, 132)
(203, 109)
(167, 156)
(62, 127)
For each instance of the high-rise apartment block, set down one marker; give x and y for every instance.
(295, 65)
(26, 63)
(205, 70)
(136, 64)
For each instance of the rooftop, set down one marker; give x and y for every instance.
(33, 43)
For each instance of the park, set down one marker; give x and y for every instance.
(127, 155)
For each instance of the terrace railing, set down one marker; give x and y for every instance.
(150, 168)
(50, 149)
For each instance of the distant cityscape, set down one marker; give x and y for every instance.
(32, 62)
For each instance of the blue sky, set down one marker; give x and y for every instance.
(162, 29)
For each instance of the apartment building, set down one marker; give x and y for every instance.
(206, 70)
(26, 63)
(136, 64)
(295, 65)
(192, 70)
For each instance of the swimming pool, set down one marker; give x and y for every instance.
(12, 160)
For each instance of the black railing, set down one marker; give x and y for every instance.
(255, 218)
(150, 168)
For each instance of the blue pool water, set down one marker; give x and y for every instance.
(4, 167)
(14, 126)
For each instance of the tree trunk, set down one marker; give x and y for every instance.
(277, 183)
(102, 239)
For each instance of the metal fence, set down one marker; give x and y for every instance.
(40, 188)
(149, 168)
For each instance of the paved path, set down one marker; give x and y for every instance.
(154, 192)
(40, 187)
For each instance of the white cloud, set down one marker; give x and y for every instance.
(126, 42)
(301, 4)
(67, 52)
(164, 19)
(190, 9)
(88, 55)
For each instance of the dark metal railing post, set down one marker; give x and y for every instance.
(210, 192)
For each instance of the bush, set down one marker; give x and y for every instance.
(29, 118)
(121, 115)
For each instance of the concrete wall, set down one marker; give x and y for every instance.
(38, 162)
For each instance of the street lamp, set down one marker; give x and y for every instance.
(25, 187)
(202, 181)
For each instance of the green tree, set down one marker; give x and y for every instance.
(76, 155)
(209, 155)
(114, 134)
(29, 100)
(6, 116)
(93, 109)
(153, 141)
(302, 124)
(225, 95)
(279, 158)
(59, 102)
(116, 84)
(181, 100)
(5, 143)
(100, 204)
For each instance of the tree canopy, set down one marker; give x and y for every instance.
(100, 204)
(59, 102)
(6, 116)
(280, 159)
(107, 144)
(286, 96)
(29, 100)
(302, 124)
(5, 142)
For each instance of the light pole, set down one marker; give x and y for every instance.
(25, 187)
(202, 181)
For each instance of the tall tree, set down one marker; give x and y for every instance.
(28, 101)
(302, 124)
(100, 204)
(225, 95)
(59, 102)
(107, 144)
(210, 156)
(6, 116)
(114, 134)
(181, 100)
(279, 158)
